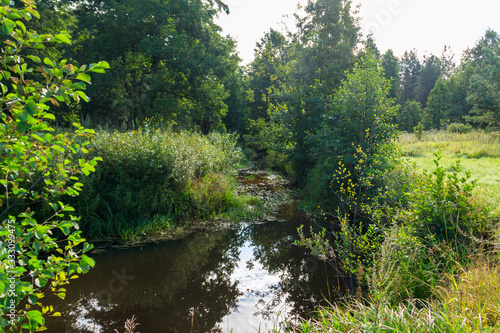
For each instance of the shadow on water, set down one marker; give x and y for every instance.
(247, 279)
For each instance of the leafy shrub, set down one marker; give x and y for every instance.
(459, 128)
(443, 206)
(147, 173)
(38, 256)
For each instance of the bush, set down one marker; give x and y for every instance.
(459, 128)
(148, 173)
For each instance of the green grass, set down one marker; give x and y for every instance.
(478, 152)
(467, 302)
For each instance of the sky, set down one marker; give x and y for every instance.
(400, 25)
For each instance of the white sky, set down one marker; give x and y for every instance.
(401, 25)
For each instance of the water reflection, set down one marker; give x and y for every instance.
(244, 279)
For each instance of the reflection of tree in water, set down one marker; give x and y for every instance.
(303, 278)
(167, 288)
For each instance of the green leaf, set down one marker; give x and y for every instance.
(5, 2)
(84, 77)
(62, 38)
(58, 148)
(48, 62)
(36, 316)
(31, 107)
(49, 116)
(89, 261)
(87, 247)
(35, 58)
(8, 26)
(21, 26)
(78, 85)
(83, 95)
(37, 137)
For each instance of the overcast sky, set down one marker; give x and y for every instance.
(427, 25)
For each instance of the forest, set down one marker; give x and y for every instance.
(126, 121)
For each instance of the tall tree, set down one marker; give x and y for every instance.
(410, 71)
(324, 49)
(172, 61)
(390, 63)
(429, 74)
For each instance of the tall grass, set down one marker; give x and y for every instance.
(154, 179)
(465, 302)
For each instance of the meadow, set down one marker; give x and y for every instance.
(477, 151)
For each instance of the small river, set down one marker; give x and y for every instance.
(246, 278)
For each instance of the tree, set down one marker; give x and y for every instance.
(172, 62)
(324, 49)
(428, 75)
(484, 88)
(439, 104)
(409, 115)
(356, 131)
(410, 71)
(390, 63)
(265, 77)
(356, 140)
(38, 166)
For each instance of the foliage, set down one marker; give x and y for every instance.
(418, 130)
(357, 133)
(443, 207)
(38, 255)
(390, 63)
(410, 70)
(356, 140)
(459, 128)
(409, 116)
(149, 173)
(399, 267)
(176, 63)
(483, 93)
(418, 317)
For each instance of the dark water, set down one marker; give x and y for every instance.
(245, 279)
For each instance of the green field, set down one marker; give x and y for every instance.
(478, 152)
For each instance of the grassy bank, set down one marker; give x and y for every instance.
(436, 267)
(152, 181)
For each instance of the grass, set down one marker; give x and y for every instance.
(478, 152)
(467, 302)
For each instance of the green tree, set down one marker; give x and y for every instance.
(391, 72)
(429, 74)
(37, 167)
(410, 71)
(324, 49)
(484, 84)
(356, 132)
(439, 104)
(172, 62)
(409, 116)
(356, 140)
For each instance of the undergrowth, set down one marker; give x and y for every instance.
(153, 180)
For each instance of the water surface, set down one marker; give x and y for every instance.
(247, 278)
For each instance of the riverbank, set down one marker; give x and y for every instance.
(437, 268)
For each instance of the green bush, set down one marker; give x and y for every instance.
(148, 173)
(444, 207)
(459, 128)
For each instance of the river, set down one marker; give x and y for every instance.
(248, 277)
